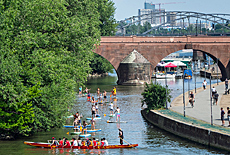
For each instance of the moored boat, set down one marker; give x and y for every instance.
(48, 145)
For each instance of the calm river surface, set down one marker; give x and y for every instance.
(151, 140)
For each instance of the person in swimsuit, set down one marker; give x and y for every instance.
(98, 92)
(118, 114)
(84, 127)
(93, 111)
(80, 91)
(104, 94)
(111, 108)
(92, 121)
(114, 91)
(96, 107)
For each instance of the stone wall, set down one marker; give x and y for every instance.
(133, 73)
(188, 131)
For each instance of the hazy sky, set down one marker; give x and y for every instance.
(128, 8)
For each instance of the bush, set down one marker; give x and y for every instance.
(154, 96)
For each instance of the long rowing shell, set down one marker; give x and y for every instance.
(85, 135)
(96, 118)
(75, 133)
(96, 130)
(116, 121)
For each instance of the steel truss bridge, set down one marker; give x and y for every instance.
(176, 16)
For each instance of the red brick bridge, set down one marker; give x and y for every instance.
(154, 49)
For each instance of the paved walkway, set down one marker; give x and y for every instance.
(202, 108)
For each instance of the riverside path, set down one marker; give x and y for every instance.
(202, 107)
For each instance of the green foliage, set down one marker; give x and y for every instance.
(45, 50)
(108, 24)
(100, 65)
(154, 96)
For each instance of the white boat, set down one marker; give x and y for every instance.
(162, 76)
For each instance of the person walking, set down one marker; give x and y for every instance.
(226, 85)
(215, 97)
(191, 99)
(228, 116)
(121, 136)
(204, 84)
(222, 115)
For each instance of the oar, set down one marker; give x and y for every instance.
(124, 140)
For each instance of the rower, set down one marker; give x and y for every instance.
(67, 143)
(102, 142)
(105, 142)
(94, 143)
(75, 143)
(60, 142)
(55, 142)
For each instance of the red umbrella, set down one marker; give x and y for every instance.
(170, 65)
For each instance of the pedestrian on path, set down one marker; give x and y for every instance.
(204, 84)
(222, 115)
(226, 84)
(215, 97)
(228, 116)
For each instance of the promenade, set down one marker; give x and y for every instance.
(202, 107)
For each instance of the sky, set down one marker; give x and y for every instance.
(129, 8)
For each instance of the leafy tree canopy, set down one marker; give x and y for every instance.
(45, 48)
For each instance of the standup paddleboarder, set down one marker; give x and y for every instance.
(121, 136)
(118, 113)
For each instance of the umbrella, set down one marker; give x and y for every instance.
(179, 63)
(170, 65)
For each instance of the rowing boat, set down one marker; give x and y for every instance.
(48, 145)
(116, 121)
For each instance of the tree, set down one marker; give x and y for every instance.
(108, 24)
(45, 49)
(154, 96)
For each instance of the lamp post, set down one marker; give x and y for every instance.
(166, 87)
(211, 99)
(217, 69)
(183, 93)
(195, 75)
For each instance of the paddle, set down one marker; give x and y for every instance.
(124, 141)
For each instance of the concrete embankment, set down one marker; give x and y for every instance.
(213, 136)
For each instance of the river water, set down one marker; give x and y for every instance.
(151, 140)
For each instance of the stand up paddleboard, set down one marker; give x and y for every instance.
(94, 118)
(75, 133)
(111, 115)
(116, 121)
(96, 130)
(85, 135)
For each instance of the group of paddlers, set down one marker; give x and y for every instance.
(79, 142)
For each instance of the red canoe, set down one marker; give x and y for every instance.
(47, 145)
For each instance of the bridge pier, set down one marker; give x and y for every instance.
(134, 70)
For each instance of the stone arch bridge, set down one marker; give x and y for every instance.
(154, 49)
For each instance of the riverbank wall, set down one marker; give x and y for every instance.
(191, 132)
